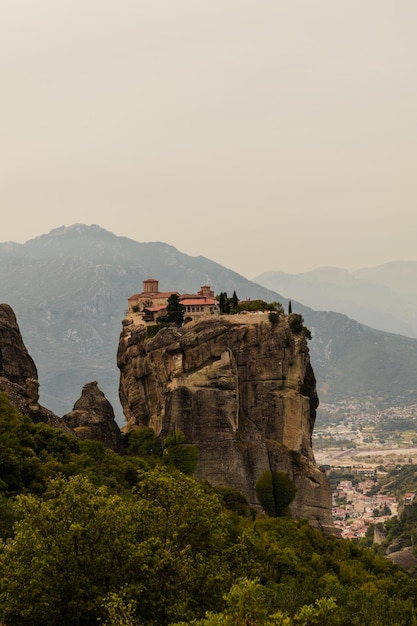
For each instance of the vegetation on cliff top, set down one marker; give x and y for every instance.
(89, 536)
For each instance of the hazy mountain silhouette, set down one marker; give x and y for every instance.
(69, 290)
(383, 297)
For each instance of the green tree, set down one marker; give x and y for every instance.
(297, 326)
(175, 311)
(68, 549)
(253, 305)
(234, 303)
(226, 304)
(143, 442)
(275, 306)
(119, 610)
(161, 554)
(181, 455)
(248, 603)
(321, 613)
(185, 548)
(273, 317)
(275, 491)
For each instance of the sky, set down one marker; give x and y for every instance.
(262, 134)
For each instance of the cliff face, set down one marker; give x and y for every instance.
(18, 373)
(93, 418)
(242, 390)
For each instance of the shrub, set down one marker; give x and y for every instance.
(181, 455)
(143, 442)
(273, 317)
(153, 329)
(253, 305)
(297, 327)
(296, 324)
(275, 491)
(234, 501)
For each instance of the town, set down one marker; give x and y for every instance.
(357, 445)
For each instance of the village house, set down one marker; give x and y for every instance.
(151, 303)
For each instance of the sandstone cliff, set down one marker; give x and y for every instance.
(93, 418)
(242, 390)
(18, 373)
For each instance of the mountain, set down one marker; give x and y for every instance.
(383, 297)
(69, 291)
(354, 362)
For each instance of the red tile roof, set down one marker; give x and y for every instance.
(198, 302)
(153, 295)
(155, 309)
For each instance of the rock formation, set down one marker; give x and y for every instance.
(93, 418)
(18, 373)
(242, 389)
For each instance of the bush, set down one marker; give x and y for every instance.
(253, 305)
(297, 327)
(273, 318)
(296, 324)
(143, 442)
(153, 329)
(234, 501)
(275, 491)
(179, 454)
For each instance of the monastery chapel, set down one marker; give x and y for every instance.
(151, 303)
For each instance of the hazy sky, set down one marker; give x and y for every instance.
(263, 134)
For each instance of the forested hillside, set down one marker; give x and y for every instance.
(131, 539)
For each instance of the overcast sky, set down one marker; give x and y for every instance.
(263, 134)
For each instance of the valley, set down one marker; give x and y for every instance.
(358, 445)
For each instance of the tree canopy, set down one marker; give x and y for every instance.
(88, 536)
(175, 311)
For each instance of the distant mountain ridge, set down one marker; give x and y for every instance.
(69, 290)
(384, 297)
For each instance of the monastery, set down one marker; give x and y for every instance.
(151, 303)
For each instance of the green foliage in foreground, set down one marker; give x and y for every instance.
(166, 543)
(247, 604)
(90, 537)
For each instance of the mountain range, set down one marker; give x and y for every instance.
(384, 297)
(69, 290)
